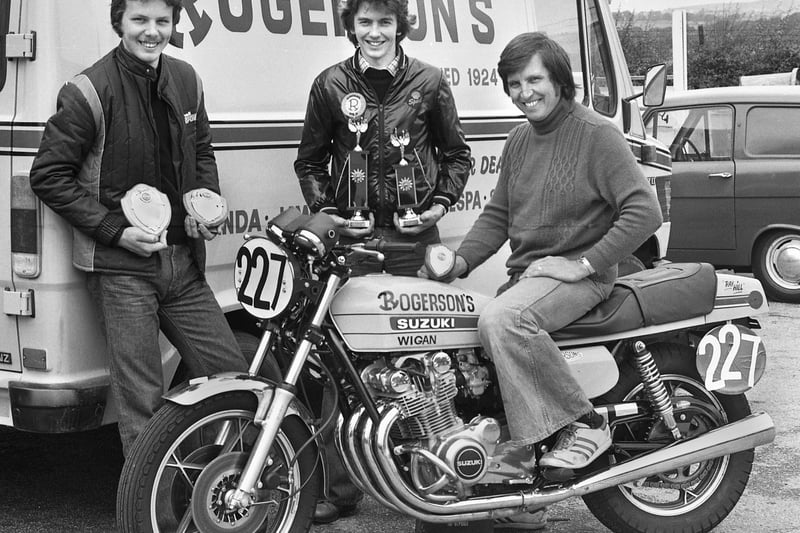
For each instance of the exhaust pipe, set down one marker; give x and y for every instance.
(747, 433)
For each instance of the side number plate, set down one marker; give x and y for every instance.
(731, 359)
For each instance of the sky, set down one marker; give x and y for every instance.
(660, 5)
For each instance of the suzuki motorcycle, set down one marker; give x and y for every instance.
(666, 360)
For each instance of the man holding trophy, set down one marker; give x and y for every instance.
(384, 154)
(382, 149)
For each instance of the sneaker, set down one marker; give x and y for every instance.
(577, 446)
(530, 521)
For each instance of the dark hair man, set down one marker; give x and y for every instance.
(573, 203)
(137, 118)
(383, 153)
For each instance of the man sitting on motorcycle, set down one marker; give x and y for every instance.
(573, 203)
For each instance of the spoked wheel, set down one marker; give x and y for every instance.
(691, 499)
(185, 466)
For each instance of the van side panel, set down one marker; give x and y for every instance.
(257, 66)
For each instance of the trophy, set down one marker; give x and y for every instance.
(406, 186)
(353, 107)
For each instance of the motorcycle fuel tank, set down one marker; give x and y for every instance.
(383, 313)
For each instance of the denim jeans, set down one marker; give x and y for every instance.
(132, 309)
(540, 395)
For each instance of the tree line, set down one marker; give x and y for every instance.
(721, 46)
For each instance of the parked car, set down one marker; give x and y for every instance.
(735, 180)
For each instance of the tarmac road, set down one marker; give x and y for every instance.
(67, 483)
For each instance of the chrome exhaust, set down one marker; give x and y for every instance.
(749, 432)
(347, 439)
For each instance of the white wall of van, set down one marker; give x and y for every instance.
(257, 59)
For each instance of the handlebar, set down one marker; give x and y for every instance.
(386, 246)
(317, 234)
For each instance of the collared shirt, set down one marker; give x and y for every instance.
(392, 67)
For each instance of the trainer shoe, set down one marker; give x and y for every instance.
(577, 446)
(529, 521)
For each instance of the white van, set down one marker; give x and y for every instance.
(257, 60)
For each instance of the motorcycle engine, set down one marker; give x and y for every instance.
(435, 392)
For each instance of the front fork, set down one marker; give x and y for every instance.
(272, 409)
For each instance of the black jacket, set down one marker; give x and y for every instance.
(102, 141)
(419, 101)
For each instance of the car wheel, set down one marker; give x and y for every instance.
(776, 264)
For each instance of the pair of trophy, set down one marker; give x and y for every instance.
(353, 107)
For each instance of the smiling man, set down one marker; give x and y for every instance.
(137, 117)
(383, 153)
(572, 203)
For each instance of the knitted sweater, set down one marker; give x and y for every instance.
(569, 186)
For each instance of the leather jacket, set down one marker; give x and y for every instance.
(102, 141)
(419, 101)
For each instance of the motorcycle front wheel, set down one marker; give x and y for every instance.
(693, 499)
(189, 459)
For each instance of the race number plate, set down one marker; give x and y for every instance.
(731, 359)
(264, 278)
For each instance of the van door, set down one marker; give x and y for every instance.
(700, 140)
(10, 363)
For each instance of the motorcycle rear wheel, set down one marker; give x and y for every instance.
(689, 500)
(196, 453)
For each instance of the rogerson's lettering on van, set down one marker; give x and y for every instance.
(435, 18)
(427, 302)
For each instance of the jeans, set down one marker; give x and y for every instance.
(132, 309)
(540, 395)
(341, 491)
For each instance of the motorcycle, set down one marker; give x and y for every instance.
(666, 360)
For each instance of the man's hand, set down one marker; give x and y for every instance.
(556, 267)
(195, 230)
(142, 243)
(428, 218)
(459, 268)
(356, 233)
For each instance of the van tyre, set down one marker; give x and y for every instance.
(688, 500)
(776, 264)
(177, 474)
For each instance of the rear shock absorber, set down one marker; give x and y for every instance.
(654, 387)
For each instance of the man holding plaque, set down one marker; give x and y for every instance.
(382, 149)
(127, 161)
(383, 153)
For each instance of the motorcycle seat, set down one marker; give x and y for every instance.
(666, 293)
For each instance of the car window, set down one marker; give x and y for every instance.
(695, 134)
(773, 131)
